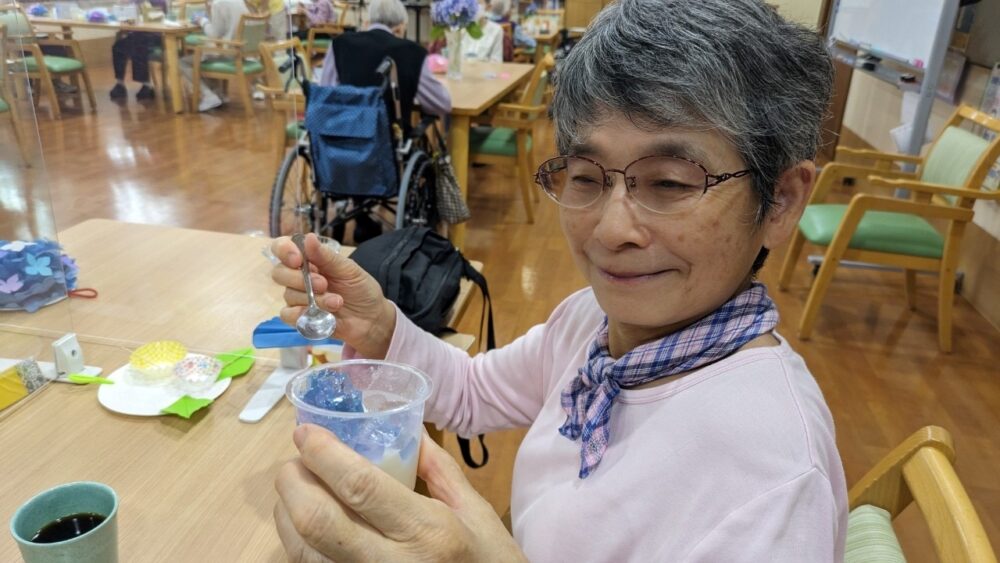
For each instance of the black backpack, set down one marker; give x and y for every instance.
(420, 271)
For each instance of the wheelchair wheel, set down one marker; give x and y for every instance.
(295, 203)
(417, 203)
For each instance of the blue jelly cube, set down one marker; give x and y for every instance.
(333, 390)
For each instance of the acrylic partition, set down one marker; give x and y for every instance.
(109, 229)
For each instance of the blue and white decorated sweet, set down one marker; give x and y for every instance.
(34, 274)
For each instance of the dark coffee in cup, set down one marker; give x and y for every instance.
(68, 527)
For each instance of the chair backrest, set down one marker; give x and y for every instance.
(19, 28)
(186, 8)
(274, 54)
(252, 31)
(920, 469)
(340, 10)
(534, 92)
(960, 157)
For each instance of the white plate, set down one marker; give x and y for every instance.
(127, 397)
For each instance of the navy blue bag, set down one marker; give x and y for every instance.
(350, 140)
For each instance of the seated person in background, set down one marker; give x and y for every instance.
(489, 46)
(667, 420)
(277, 26)
(353, 58)
(222, 23)
(318, 12)
(499, 12)
(133, 46)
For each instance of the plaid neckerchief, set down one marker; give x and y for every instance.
(589, 397)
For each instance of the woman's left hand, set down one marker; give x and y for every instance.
(336, 506)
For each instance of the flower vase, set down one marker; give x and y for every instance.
(454, 39)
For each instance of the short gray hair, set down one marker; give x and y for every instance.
(389, 13)
(499, 8)
(734, 66)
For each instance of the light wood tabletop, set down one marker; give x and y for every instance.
(190, 490)
(173, 34)
(483, 84)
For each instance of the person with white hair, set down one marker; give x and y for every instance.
(353, 57)
(489, 45)
(499, 12)
(667, 419)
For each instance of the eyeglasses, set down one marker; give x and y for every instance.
(661, 184)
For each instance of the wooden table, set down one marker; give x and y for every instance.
(173, 38)
(472, 96)
(550, 38)
(190, 490)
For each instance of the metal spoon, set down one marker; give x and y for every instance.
(315, 323)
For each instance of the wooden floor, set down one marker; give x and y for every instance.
(876, 361)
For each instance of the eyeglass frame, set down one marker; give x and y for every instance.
(711, 180)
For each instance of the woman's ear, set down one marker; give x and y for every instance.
(791, 193)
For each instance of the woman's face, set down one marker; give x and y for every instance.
(653, 273)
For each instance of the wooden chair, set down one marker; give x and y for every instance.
(897, 232)
(320, 37)
(30, 63)
(556, 19)
(6, 98)
(233, 61)
(291, 103)
(507, 141)
(185, 9)
(918, 470)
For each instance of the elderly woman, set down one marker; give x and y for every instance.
(667, 420)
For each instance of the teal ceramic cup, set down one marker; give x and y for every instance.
(99, 545)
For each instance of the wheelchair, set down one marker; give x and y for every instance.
(298, 205)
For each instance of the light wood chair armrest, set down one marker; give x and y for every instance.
(516, 116)
(212, 42)
(878, 155)
(883, 485)
(835, 172)
(73, 44)
(202, 50)
(861, 203)
(939, 189)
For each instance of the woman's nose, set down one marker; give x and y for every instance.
(619, 221)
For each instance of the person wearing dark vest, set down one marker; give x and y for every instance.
(353, 57)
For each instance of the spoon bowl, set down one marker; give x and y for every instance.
(314, 323)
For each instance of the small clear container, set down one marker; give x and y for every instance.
(373, 406)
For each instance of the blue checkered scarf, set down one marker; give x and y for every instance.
(589, 397)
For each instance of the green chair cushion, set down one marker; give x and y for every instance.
(194, 39)
(294, 129)
(228, 66)
(3, 106)
(156, 53)
(498, 141)
(870, 537)
(880, 231)
(54, 64)
(322, 42)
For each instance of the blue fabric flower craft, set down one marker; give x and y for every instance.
(34, 274)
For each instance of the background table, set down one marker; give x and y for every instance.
(173, 36)
(190, 490)
(472, 96)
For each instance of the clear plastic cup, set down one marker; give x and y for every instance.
(373, 406)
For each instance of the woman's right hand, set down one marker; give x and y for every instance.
(365, 318)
